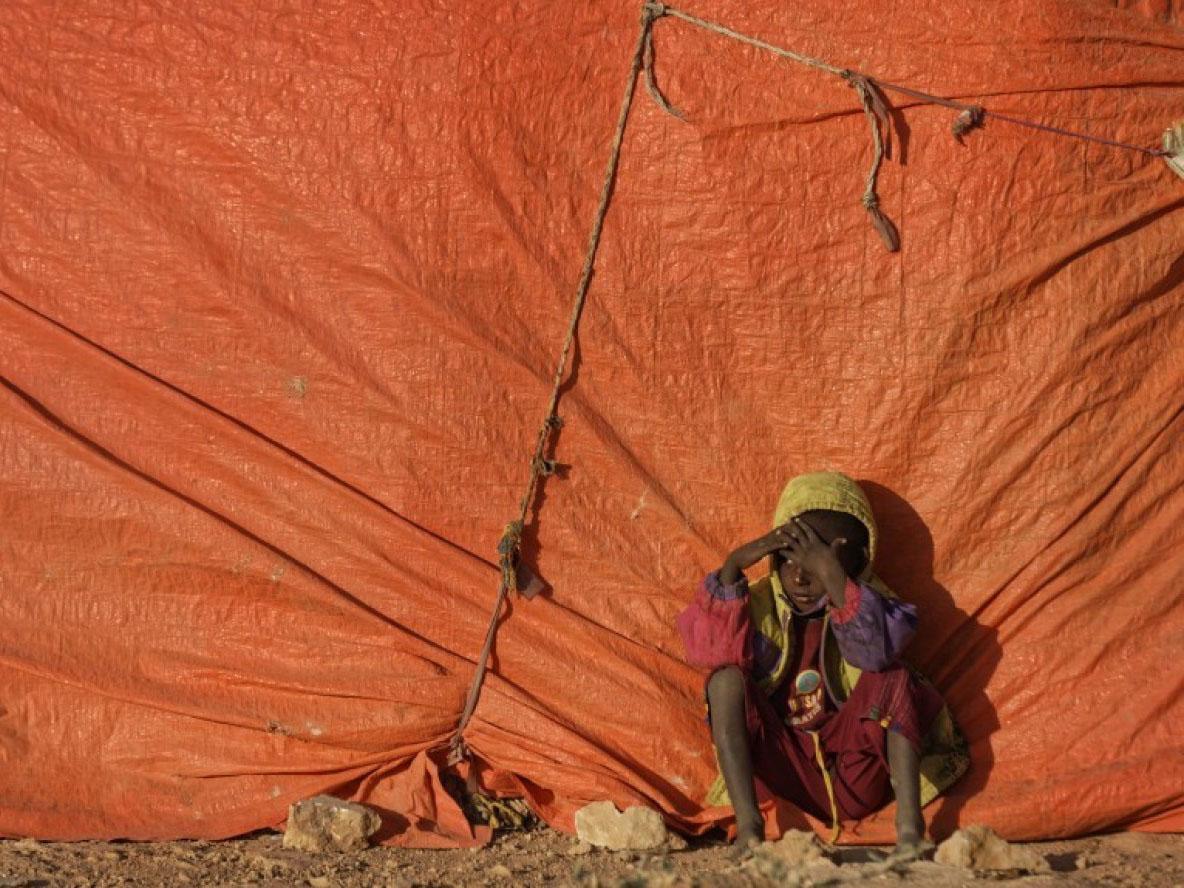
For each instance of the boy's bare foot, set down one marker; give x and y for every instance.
(748, 837)
(910, 845)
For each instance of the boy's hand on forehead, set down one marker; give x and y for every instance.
(807, 550)
(775, 540)
(750, 553)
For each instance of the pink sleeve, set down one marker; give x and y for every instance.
(715, 627)
(851, 598)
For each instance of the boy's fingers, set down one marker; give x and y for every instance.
(806, 530)
(838, 542)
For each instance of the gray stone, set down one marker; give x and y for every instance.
(634, 829)
(324, 823)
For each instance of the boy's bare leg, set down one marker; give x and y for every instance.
(905, 766)
(729, 731)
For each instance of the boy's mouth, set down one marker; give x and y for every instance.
(804, 600)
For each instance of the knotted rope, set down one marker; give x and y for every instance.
(876, 111)
(654, 11)
(508, 547)
(871, 97)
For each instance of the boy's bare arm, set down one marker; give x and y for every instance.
(750, 553)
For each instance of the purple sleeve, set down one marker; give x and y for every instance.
(872, 630)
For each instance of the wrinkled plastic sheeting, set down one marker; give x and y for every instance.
(282, 290)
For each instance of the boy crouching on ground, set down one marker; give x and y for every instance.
(808, 699)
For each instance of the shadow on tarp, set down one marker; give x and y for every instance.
(952, 648)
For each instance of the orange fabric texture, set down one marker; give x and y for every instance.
(281, 288)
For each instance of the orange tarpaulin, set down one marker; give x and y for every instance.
(281, 290)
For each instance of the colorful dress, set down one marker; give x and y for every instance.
(823, 690)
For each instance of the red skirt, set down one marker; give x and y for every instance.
(853, 743)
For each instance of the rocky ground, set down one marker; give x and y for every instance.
(544, 857)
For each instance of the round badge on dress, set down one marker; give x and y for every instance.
(808, 681)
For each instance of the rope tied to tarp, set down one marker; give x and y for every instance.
(510, 544)
(650, 13)
(875, 106)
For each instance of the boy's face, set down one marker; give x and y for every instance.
(806, 592)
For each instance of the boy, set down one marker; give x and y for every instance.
(808, 700)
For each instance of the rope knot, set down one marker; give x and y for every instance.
(458, 750)
(507, 548)
(970, 118)
(849, 75)
(875, 108)
(511, 537)
(543, 466)
(651, 12)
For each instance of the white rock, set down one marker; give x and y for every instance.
(979, 848)
(324, 823)
(794, 848)
(635, 829)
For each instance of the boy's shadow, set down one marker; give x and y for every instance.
(952, 648)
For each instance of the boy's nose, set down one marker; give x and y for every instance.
(799, 578)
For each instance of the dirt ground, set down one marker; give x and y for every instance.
(544, 857)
